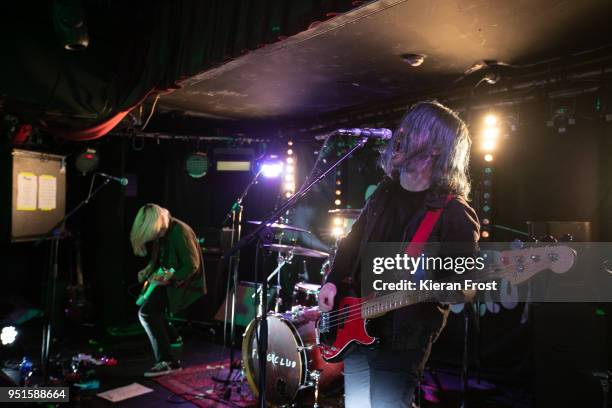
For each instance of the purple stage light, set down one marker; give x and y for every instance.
(272, 167)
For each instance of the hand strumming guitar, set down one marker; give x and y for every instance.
(327, 295)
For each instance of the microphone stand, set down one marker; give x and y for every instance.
(55, 235)
(235, 214)
(260, 233)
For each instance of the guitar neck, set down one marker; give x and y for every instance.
(512, 266)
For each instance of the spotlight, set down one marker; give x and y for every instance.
(337, 202)
(484, 234)
(491, 132)
(289, 151)
(271, 168)
(490, 120)
(338, 221)
(488, 157)
(338, 192)
(488, 145)
(87, 161)
(70, 24)
(197, 164)
(290, 160)
(289, 169)
(485, 221)
(8, 335)
(337, 232)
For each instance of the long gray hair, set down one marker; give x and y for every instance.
(431, 131)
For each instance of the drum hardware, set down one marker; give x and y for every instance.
(282, 227)
(315, 375)
(255, 236)
(296, 250)
(281, 261)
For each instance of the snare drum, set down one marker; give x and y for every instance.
(306, 294)
(292, 359)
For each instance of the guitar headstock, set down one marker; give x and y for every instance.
(522, 264)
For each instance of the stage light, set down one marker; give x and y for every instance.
(289, 151)
(488, 145)
(490, 120)
(485, 221)
(337, 232)
(491, 133)
(338, 182)
(290, 160)
(484, 234)
(70, 24)
(290, 143)
(289, 186)
(488, 157)
(337, 202)
(197, 164)
(338, 192)
(87, 161)
(289, 169)
(338, 221)
(289, 178)
(288, 194)
(271, 169)
(8, 335)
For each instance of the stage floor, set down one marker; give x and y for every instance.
(441, 388)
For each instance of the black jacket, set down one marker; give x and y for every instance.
(413, 328)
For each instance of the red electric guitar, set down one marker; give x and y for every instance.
(346, 324)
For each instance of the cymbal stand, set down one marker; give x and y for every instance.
(257, 234)
(281, 261)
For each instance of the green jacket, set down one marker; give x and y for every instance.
(179, 249)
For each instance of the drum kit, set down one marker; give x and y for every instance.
(295, 368)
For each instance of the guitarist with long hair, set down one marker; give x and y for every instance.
(426, 167)
(176, 270)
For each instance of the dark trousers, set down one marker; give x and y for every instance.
(378, 379)
(152, 317)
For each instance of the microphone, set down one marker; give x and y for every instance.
(121, 180)
(383, 134)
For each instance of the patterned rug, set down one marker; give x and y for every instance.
(198, 385)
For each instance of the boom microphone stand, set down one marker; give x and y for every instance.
(235, 214)
(259, 233)
(55, 234)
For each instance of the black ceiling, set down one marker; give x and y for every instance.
(355, 59)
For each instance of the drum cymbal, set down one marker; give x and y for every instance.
(282, 226)
(296, 250)
(346, 212)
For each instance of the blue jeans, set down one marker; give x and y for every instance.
(378, 379)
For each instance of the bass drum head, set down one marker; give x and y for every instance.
(285, 366)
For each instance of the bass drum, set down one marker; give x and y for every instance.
(292, 358)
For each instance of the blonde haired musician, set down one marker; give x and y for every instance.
(174, 247)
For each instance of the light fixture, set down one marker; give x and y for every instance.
(488, 157)
(8, 335)
(271, 168)
(197, 165)
(490, 120)
(87, 161)
(70, 24)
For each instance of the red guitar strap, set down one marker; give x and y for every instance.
(421, 236)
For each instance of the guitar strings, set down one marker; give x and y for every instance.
(348, 314)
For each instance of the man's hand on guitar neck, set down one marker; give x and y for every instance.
(327, 295)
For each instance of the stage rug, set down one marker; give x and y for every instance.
(196, 384)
